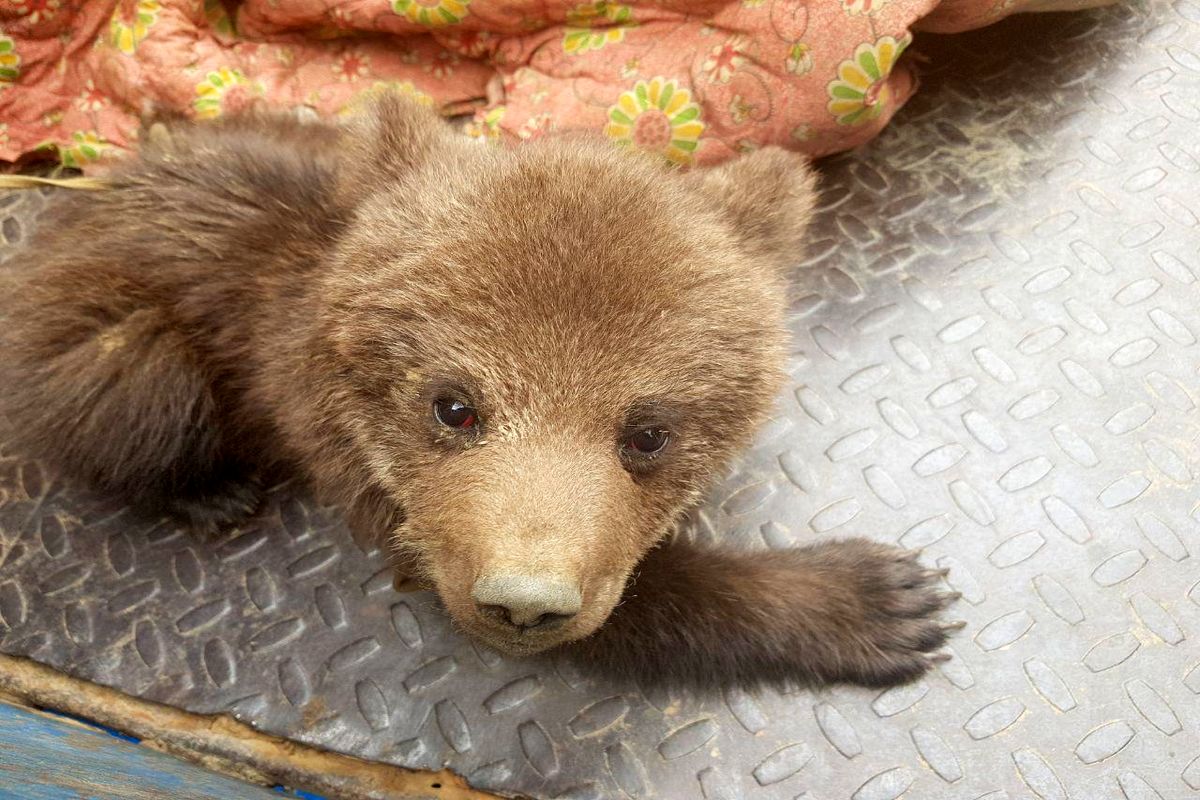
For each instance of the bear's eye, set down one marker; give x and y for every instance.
(648, 441)
(454, 413)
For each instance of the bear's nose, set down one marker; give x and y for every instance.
(527, 601)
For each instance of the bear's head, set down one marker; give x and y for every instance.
(549, 353)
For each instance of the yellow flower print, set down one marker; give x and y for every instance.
(87, 147)
(860, 92)
(222, 91)
(432, 13)
(486, 128)
(131, 22)
(593, 25)
(10, 61)
(360, 101)
(799, 59)
(659, 116)
(752, 3)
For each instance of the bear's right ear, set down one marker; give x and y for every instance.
(385, 142)
(767, 198)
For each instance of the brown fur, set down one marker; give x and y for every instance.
(843, 611)
(260, 296)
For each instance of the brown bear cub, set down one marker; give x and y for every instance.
(514, 369)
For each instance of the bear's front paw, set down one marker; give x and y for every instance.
(850, 611)
(886, 629)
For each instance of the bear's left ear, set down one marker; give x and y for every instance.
(388, 140)
(767, 196)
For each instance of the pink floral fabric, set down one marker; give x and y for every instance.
(693, 80)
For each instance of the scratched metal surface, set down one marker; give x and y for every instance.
(996, 359)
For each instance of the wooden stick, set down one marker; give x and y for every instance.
(223, 744)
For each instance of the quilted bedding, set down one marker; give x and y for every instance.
(693, 80)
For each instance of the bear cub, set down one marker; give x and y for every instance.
(515, 369)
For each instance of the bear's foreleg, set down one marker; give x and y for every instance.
(850, 611)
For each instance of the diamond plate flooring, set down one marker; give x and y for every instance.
(996, 360)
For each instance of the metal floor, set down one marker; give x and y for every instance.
(996, 360)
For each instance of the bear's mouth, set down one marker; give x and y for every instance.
(511, 640)
(518, 643)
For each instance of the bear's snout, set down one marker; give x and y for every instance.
(535, 546)
(527, 601)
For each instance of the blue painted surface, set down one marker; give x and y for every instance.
(46, 758)
(125, 737)
(303, 795)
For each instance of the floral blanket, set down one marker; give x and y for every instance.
(694, 80)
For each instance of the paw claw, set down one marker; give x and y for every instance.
(897, 637)
(957, 625)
